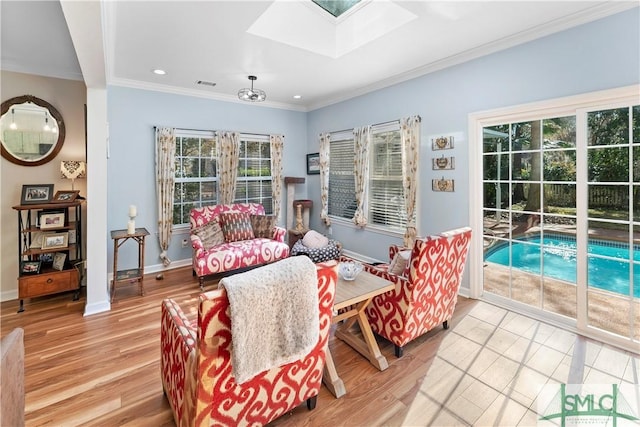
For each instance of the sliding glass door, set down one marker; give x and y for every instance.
(560, 215)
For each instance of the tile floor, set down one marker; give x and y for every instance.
(492, 366)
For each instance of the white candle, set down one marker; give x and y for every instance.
(133, 212)
(131, 227)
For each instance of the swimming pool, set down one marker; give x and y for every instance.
(559, 261)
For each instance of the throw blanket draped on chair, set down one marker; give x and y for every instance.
(274, 315)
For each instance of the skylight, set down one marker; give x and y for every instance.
(336, 7)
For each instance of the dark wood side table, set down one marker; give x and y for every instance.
(132, 274)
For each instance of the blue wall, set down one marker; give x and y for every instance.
(595, 56)
(131, 165)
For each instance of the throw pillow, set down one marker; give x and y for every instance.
(210, 234)
(236, 226)
(313, 240)
(399, 262)
(263, 225)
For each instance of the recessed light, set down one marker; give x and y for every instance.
(297, 96)
(159, 72)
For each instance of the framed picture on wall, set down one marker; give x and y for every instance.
(313, 164)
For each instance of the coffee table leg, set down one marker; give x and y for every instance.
(330, 377)
(368, 346)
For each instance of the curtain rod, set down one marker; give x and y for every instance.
(214, 131)
(375, 124)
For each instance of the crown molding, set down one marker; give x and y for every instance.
(561, 24)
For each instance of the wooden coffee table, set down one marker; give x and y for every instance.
(355, 295)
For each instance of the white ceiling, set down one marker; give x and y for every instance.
(292, 46)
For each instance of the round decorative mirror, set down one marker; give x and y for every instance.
(31, 131)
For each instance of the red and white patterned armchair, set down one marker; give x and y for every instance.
(196, 368)
(224, 254)
(426, 287)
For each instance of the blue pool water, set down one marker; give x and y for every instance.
(559, 261)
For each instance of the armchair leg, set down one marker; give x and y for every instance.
(311, 402)
(445, 325)
(201, 283)
(398, 351)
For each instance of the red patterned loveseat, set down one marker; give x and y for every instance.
(426, 287)
(225, 255)
(196, 370)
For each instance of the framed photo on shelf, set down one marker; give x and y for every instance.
(55, 240)
(36, 193)
(46, 259)
(50, 220)
(30, 267)
(65, 196)
(313, 164)
(58, 261)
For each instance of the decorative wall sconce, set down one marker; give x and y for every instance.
(443, 163)
(442, 143)
(443, 184)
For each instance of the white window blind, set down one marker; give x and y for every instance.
(342, 187)
(253, 184)
(385, 198)
(386, 194)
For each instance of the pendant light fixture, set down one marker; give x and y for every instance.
(252, 95)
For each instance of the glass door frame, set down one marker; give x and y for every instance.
(577, 105)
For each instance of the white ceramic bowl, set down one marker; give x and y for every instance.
(349, 269)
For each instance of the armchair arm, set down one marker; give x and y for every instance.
(394, 249)
(279, 233)
(198, 248)
(177, 356)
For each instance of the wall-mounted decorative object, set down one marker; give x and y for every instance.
(442, 185)
(442, 143)
(313, 164)
(36, 193)
(443, 163)
(31, 131)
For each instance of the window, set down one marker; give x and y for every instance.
(253, 184)
(196, 181)
(385, 199)
(342, 187)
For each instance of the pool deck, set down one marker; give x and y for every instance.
(605, 310)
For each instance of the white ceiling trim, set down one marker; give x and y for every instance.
(136, 84)
(589, 15)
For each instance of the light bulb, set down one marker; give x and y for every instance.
(46, 124)
(13, 126)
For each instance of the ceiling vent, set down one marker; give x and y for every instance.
(205, 83)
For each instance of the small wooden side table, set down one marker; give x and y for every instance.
(132, 274)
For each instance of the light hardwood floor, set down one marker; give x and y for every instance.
(103, 370)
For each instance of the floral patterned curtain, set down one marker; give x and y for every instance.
(277, 145)
(410, 137)
(165, 179)
(325, 142)
(228, 150)
(362, 138)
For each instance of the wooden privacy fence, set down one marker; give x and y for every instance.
(612, 197)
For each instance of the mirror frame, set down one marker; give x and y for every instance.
(6, 105)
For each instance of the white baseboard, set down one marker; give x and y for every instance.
(101, 307)
(157, 268)
(359, 257)
(9, 295)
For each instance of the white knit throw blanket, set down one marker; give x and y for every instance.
(274, 315)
